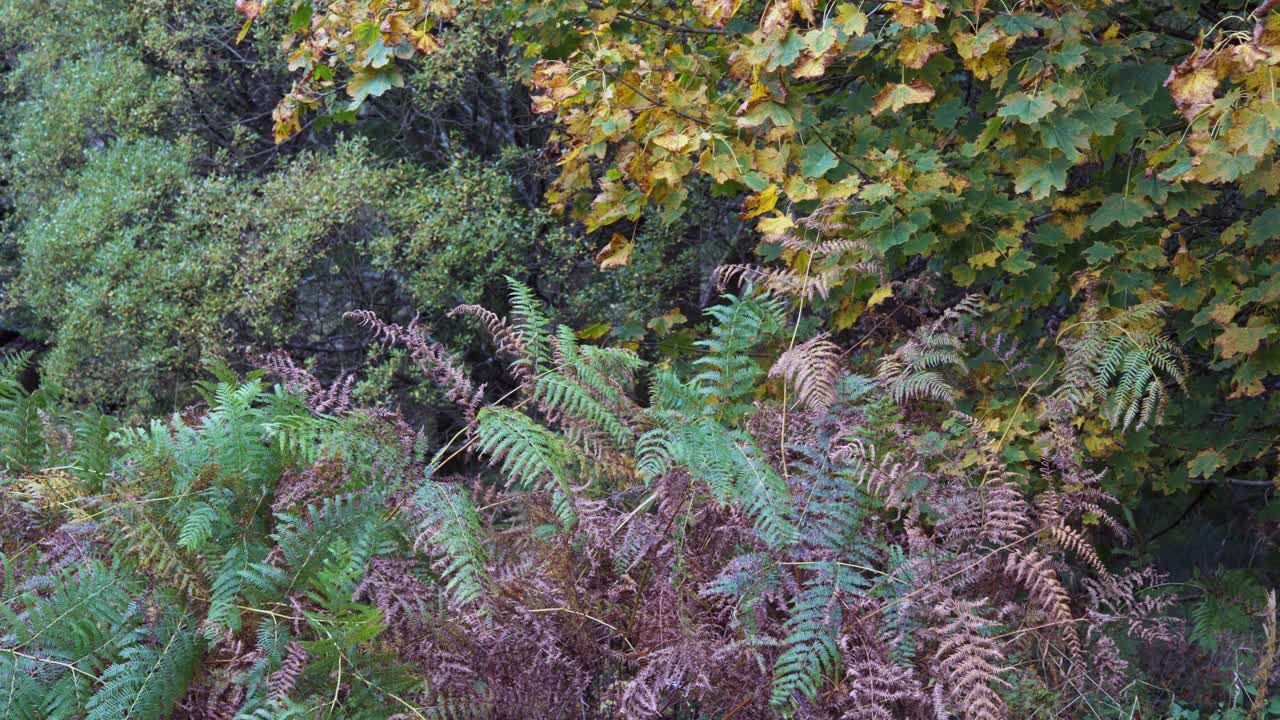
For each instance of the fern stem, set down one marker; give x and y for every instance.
(795, 330)
(1014, 415)
(575, 612)
(59, 663)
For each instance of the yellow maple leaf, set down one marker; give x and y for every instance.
(1192, 88)
(915, 52)
(760, 203)
(616, 254)
(880, 295)
(898, 95)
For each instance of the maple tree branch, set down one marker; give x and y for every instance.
(660, 23)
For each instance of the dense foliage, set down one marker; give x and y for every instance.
(282, 553)
(153, 227)
(869, 360)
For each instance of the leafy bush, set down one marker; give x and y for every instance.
(700, 555)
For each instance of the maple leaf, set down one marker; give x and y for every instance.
(616, 254)
(717, 13)
(675, 142)
(1040, 176)
(1264, 227)
(372, 83)
(850, 19)
(1066, 133)
(898, 95)
(1205, 463)
(1242, 340)
(1127, 211)
(760, 203)
(1192, 87)
(817, 160)
(915, 52)
(1028, 109)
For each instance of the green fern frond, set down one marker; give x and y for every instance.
(532, 325)
(728, 373)
(561, 397)
(150, 679)
(529, 454)
(811, 648)
(449, 524)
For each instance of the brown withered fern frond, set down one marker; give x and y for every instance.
(332, 400)
(1035, 573)
(506, 340)
(431, 357)
(782, 281)
(811, 368)
(829, 257)
(970, 664)
(1070, 538)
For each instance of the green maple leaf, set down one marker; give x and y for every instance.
(1017, 23)
(1149, 256)
(1028, 109)
(1018, 262)
(777, 114)
(1101, 117)
(1205, 463)
(787, 51)
(1071, 55)
(1264, 227)
(1100, 253)
(816, 160)
(1127, 211)
(876, 192)
(947, 114)
(1040, 176)
(373, 83)
(1065, 133)
(1219, 164)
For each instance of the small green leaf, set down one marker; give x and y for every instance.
(1100, 252)
(1264, 227)
(301, 17)
(1065, 133)
(1039, 176)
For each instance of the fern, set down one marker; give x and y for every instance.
(1122, 363)
(197, 528)
(151, 677)
(348, 523)
(568, 399)
(811, 368)
(729, 464)
(79, 624)
(529, 455)
(448, 522)
(811, 645)
(531, 326)
(22, 432)
(728, 373)
(970, 663)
